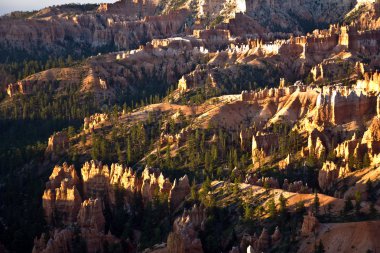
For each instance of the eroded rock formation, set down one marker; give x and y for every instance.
(309, 225)
(328, 175)
(95, 179)
(59, 242)
(184, 238)
(94, 120)
(179, 191)
(61, 199)
(125, 29)
(261, 243)
(337, 106)
(91, 216)
(263, 145)
(317, 144)
(57, 145)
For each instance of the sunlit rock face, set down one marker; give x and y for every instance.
(339, 106)
(61, 199)
(57, 145)
(118, 26)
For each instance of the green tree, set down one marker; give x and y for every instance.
(358, 199)
(129, 151)
(236, 188)
(120, 156)
(316, 204)
(194, 191)
(71, 131)
(366, 161)
(83, 139)
(283, 203)
(206, 186)
(271, 207)
(247, 212)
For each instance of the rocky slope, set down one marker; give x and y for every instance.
(266, 140)
(111, 24)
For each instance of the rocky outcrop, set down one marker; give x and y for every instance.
(330, 70)
(90, 123)
(61, 173)
(310, 10)
(61, 200)
(347, 148)
(309, 225)
(214, 39)
(57, 145)
(179, 191)
(123, 178)
(339, 106)
(199, 77)
(245, 138)
(184, 237)
(276, 237)
(269, 93)
(328, 175)
(153, 184)
(21, 87)
(134, 9)
(101, 182)
(317, 144)
(59, 242)
(261, 243)
(365, 149)
(64, 241)
(61, 204)
(91, 215)
(95, 177)
(297, 186)
(88, 28)
(283, 164)
(268, 182)
(263, 145)
(372, 134)
(370, 83)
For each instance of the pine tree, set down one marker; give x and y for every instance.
(129, 151)
(316, 204)
(271, 206)
(206, 186)
(247, 212)
(194, 191)
(236, 188)
(283, 203)
(167, 156)
(366, 161)
(119, 153)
